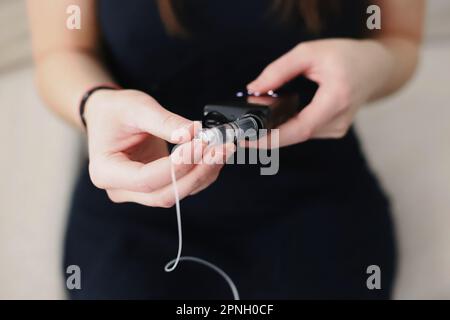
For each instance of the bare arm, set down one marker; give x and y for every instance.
(127, 128)
(67, 61)
(401, 35)
(349, 72)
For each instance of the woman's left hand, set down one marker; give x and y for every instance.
(349, 73)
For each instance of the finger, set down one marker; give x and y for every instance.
(206, 173)
(119, 172)
(267, 142)
(262, 100)
(303, 126)
(218, 154)
(282, 70)
(201, 176)
(223, 155)
(156, 120)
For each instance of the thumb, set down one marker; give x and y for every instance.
(281, 71)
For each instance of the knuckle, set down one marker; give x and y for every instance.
(142, 183)
(165, 202)
(114, 197)
(149, 203)
(174, 123)
(305, 133)
(145, 187)
(95, 172)
(170, 120)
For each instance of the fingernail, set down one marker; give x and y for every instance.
(182, 134)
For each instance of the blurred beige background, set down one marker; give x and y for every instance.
(406, 136)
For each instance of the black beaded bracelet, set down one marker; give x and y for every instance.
(88, 94)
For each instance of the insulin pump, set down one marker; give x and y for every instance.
(230, 122)
(248, 116)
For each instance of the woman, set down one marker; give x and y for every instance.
(311, 231)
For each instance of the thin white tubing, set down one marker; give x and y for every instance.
(171, 265)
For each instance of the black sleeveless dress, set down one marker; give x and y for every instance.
(309, 232)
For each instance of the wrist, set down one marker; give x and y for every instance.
(93, 97)
(95, 103)
(383, 60)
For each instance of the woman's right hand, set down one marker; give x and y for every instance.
(129, 158)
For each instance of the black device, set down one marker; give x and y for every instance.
(231, 121)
